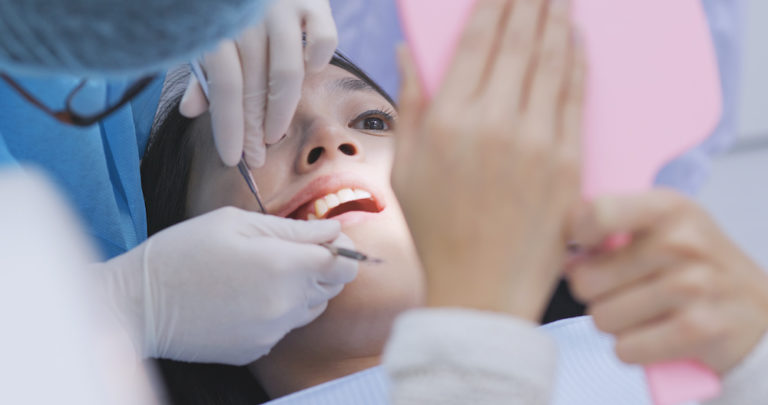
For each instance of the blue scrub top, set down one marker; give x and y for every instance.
(97, 168)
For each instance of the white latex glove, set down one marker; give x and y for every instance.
(226, 286)
(255, 82)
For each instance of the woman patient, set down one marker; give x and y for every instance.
(499, 145)
(335, 163)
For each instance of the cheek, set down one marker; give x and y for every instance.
(380, 151)
(221, 189)
(276, 172)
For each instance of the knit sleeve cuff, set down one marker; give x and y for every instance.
(482, 343)
(745, 384)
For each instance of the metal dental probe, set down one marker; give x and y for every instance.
(245, 172)
(351, 254)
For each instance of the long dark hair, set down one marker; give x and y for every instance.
(165, 172)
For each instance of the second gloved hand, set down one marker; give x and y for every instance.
(255, 81)
(227, 286)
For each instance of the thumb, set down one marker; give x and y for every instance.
(225, 78)
(343, 270)
(412, 100)
(294, 230)
(623, 214)
(322, 36)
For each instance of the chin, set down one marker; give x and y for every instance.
(358, 321)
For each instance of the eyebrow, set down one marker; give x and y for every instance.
(353, 84)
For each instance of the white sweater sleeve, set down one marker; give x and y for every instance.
(458, 356)
(746, 384)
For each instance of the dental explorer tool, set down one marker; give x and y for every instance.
(351, 254)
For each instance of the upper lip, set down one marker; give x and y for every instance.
(323, 186)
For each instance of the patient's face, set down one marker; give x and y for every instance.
(334, 163)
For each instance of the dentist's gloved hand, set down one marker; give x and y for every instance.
(255, 82)
(227, 286)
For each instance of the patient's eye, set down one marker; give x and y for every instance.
(376, 124)
(373, 121)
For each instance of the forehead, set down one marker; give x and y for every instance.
(337, 81)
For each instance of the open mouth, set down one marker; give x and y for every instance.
(337, 203)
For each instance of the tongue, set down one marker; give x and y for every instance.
(367, 205)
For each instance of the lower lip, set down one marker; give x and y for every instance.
(355, 217)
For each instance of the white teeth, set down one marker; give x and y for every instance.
(332, 200)
(362, 194)
(311, 217)
(321, 207)
(346, 195)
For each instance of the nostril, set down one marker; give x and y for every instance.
(314, 154)
(348, 149)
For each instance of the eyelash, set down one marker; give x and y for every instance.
(386, 114)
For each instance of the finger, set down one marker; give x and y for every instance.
(253, 53)
(286, 75)
(313, 313)
(341, 270)
(475, 49)
(323, 271)
(225, 81)
(412, 99)
(323, 292)
(551, 69)
(573, 104)
(629, 214)
(412, 102)
(322, 37)
(655, 297)
(595, 277)
(311, 232)
(193, 103)
(633, 306)
(515, 63)
(680, 336)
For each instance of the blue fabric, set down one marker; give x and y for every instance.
(116, 37)
(96, 167)
(368, 33)
(588, 373)
(6, 159)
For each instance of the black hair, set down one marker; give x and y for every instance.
(165, 172)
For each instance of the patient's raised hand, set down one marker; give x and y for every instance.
(487, 172)
(679, 290)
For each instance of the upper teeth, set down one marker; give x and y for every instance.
(333, 200)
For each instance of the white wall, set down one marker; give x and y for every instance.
(754, 96)
(737, 194)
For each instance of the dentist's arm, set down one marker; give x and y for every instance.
(255, 82)
(226, 286)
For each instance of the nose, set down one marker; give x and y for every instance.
(326, 143)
